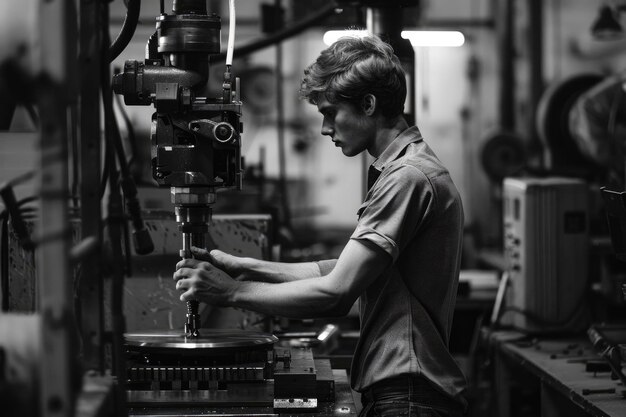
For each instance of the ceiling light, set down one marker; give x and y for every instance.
(422, 38)
(446, 38)
(333, 36)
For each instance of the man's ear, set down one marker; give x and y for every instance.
(368, 104)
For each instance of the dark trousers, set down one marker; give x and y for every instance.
(411, 397)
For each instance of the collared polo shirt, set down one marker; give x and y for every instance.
(414, 213)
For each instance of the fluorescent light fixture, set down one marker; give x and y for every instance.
(416, 37)
(434, 37)
(333, 36)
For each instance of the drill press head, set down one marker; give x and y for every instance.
(195, 139)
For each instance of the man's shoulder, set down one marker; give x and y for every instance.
(416, 171)
(417, 162)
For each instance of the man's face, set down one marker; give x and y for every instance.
(348, 127)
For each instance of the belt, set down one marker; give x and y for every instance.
(413, 388)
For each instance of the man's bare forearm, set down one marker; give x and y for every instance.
(325, 294)
(277, 272)
(306, 298)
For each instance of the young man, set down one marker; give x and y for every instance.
(402, 260)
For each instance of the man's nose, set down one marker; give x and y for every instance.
(327, 130)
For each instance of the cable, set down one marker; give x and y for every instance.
(132, 139)
(549, 323)
(12, 207)
(127, 31)
(104, 178)
(141, 237)
(231, 33)
(279, 36)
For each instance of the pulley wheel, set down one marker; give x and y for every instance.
(503, 155)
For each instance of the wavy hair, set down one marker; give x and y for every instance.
(353, 67)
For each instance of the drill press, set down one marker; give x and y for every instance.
(196, 150)
(195, 139)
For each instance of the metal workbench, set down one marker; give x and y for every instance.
(556, 368)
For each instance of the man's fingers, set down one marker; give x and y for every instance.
(200, 253)
(183, 273)
(182, 284)
(218, 257)
(187, 295)
(186, 285)
(225, 261)
(188, 263)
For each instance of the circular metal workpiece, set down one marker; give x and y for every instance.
(208, 339)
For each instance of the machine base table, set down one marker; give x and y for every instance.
(342, 406)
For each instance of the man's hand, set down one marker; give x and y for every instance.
(204, 282)
(233, 265)
(257, 270)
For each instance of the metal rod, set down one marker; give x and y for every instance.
(186, 246)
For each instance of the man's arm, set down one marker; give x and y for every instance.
(251, 269)
(331, 295)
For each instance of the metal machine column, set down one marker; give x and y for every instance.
(55, 279)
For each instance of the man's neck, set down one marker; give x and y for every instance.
(386, 134)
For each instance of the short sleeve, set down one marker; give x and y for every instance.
(326, 266)
(395, 208)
